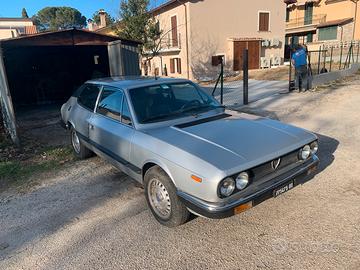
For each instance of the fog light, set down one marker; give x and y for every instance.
(314, 146)
(305, 152)
(242, 181)
(227, 187)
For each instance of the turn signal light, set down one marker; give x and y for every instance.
(243, 207)
(196, 178)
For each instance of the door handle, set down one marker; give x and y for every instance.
(91, 126)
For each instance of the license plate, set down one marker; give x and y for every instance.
(283, 189)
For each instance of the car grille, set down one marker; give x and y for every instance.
(266, 168)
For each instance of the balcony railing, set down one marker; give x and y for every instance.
(304, 21)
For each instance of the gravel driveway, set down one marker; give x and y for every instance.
(94, 217)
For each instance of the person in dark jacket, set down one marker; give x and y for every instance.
(299, 61)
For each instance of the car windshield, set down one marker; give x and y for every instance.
(170, 100)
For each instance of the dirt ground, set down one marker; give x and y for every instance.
(90, 216)
(44, 148)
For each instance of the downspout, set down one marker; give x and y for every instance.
(187, 40)
(355, 17)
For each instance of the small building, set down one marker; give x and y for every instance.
(196, 31)
(15, 27)
(321, 21)
(46, 68)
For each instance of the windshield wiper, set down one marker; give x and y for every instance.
(160, 116)
(200, 108)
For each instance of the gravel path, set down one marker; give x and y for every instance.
(94, 217)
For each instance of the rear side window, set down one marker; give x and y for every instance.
(125, 117)
(110, 103)
(87, 97)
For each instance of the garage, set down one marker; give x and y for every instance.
(45, 69)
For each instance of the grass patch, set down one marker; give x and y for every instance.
(19, 172)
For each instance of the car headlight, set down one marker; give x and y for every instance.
(305, 152)
(314, 146)
(242, 180)
(227, 187)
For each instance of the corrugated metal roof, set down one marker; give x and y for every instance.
(64, 37)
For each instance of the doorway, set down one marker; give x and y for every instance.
(254, 54)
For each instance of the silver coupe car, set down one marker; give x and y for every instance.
(188, 151)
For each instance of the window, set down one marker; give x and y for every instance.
(287, 15)
(172, 65)
(88, 96)
(168, 101)
(175, 62)
(328, 33)
(174, 31)
(110, 103)
(264, 21)
(126, 116)
(309, 38)
(308, 13)
(178, 65)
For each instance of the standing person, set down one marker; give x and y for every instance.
(299, 61)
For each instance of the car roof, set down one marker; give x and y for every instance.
(128, 82)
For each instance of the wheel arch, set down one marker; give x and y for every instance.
(151, 163)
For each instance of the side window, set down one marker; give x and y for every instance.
(88, 96)
(110, 103)
(126, 116)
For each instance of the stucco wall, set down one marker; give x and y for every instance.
(15, 23)
(167, 50)
(213, 22)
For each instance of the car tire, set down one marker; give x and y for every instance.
(79, 149)
(162, 199)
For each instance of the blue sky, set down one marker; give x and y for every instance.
(12, 8)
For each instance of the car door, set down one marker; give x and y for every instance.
(111, 128)
(82, 112)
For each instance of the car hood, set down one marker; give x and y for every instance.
(235, 140)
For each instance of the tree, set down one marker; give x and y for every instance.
(56, 18)
(96, 18)
(24, 14)
(137, 23)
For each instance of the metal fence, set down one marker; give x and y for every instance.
(329, 57)
(234, 90)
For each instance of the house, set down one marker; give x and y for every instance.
(14, 27)
(321, 21)
(195, 32)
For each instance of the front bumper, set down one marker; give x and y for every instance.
(264, 191)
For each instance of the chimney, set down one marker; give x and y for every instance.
(90, 25)
(102, 15)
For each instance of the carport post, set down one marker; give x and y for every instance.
(6, 105)
(246, 76)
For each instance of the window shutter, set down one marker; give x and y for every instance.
(178, 65)
(172, 65)
(263, 21)
(174, 32)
